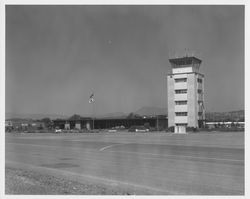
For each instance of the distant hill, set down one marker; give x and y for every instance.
(33, 116)
(113, 115)
(144, 111)
(226, 116)
(210, 116)
(151, 111)
(19, 119)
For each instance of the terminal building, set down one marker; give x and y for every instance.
(78, 122)
(185, 94)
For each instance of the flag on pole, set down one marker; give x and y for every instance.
(91, 98)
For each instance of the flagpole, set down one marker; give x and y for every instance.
(93, 115)
(91, 100)
(157, 122)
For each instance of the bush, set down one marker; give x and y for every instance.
(161, 128)
(191, 129)
(152, 129)
(147, 125)
(170, 129)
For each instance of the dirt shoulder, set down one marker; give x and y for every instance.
(27, 182)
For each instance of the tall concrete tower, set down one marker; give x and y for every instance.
(185, 94)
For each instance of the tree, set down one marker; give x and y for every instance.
(47, 122)
(133, 116)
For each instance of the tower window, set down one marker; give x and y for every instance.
(181, 124)
(200, 103)
(181, 113)
(181, 80)
(180, 102)
(181, 91)
(199, 80)
(199, 91)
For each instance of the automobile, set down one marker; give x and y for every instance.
(58, 130)
(138, 129)
(142, 130)
(112, 130)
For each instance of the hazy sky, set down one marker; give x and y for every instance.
(57, 55)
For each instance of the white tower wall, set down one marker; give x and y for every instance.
(171, 99)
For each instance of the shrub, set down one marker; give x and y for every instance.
(146, 125)
(191, 129)
(170, 129)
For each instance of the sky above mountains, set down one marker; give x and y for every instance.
(56, 56)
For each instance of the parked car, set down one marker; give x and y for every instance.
(138, 129)
(58, 130)
(112, 130)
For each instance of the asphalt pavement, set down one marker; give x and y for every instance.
(194, 164)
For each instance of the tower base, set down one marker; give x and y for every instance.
(180, 129)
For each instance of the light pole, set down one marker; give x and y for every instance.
(157, 123)
(93, 114)
(91, 101)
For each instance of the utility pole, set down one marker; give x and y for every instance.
(92, 101)
(157, 122)
(93, 113)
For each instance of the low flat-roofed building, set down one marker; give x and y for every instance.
(78, 122)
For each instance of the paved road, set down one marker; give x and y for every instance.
(178, 164)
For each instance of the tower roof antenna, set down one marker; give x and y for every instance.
(186, 53)
(193, 53)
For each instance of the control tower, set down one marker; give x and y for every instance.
(185, 94)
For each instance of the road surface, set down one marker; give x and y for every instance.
(197, 164)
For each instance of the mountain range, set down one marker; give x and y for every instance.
(226, 116)
(144, 111)
(33, 116)
(152, 111)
